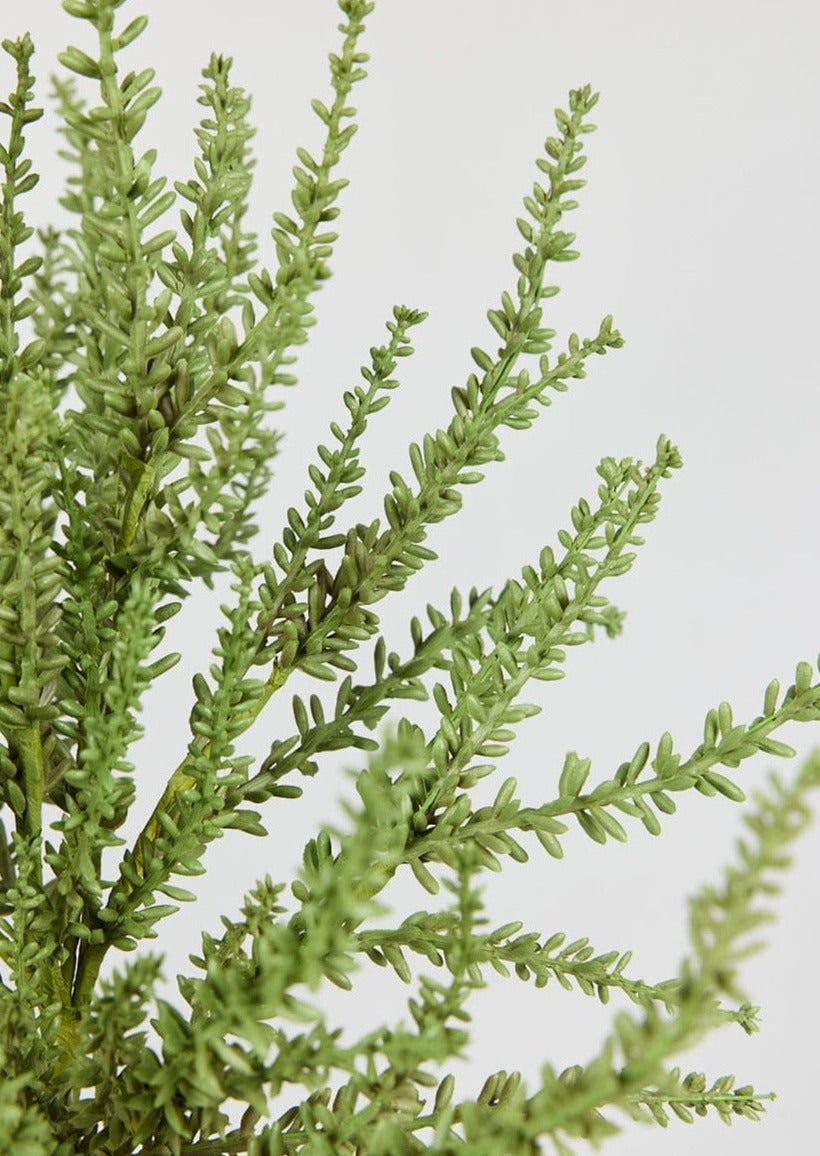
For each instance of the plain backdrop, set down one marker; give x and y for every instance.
(699, 232)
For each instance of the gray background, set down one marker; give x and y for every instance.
(699, 231)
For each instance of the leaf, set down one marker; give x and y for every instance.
(573, 775)
(79, 62)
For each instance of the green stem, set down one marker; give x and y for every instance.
(30, 757)
(93, 954)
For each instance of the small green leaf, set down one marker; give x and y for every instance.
(321, 111)
(130, 33)
(425, 878)
(574, 775)
(724, 786)
(166, 663)
(79, 62)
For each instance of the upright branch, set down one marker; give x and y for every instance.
(154, 374)
(30, 576)
(313, 635)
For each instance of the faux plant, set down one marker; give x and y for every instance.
(113, 507)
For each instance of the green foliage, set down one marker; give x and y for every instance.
(154, 335)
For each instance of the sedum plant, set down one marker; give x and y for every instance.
(120, 342)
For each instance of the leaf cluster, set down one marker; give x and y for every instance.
(172, 345)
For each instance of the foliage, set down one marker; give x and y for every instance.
(112, 508)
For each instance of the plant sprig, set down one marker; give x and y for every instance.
(110, 511)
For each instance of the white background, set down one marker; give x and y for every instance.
(699, 231)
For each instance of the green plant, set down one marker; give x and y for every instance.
(110, 510)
